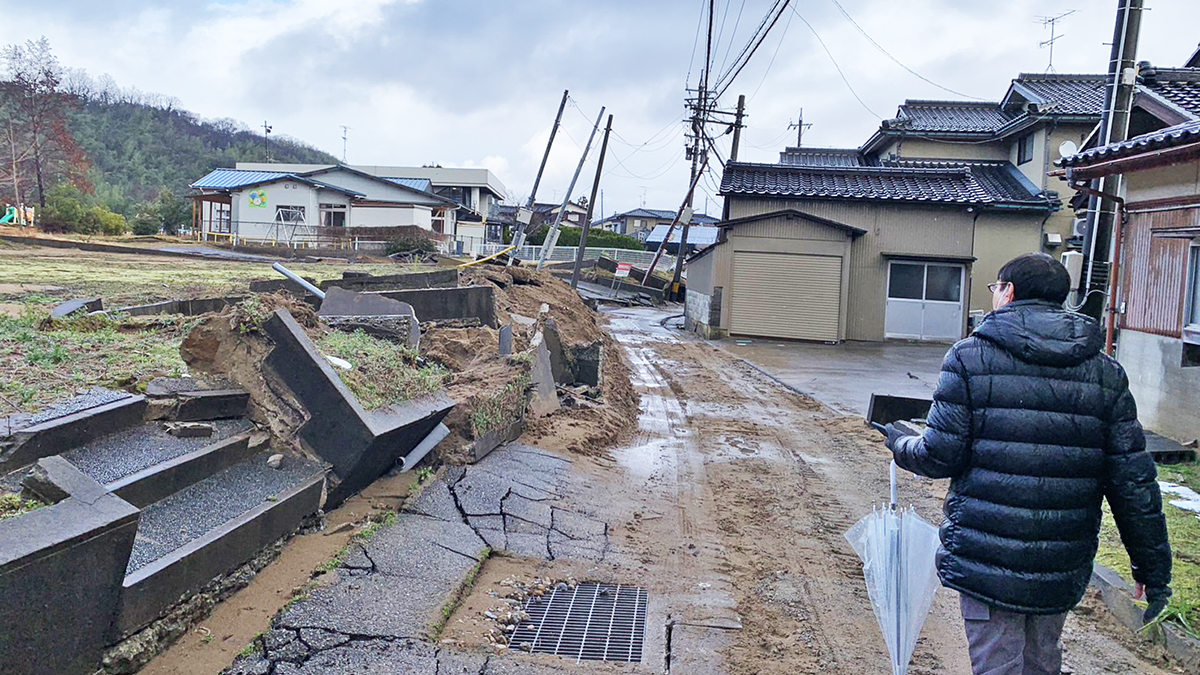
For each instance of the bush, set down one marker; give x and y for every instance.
(597, 238)
(146, 220)
(144, 228)
(69, 210)
(408, 241)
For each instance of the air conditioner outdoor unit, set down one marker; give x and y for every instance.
(1079, 227)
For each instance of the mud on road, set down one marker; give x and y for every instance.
(737, 493)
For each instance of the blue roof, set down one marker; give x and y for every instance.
(698, 235)
(422, 184)
(225, 179)
(233, 179)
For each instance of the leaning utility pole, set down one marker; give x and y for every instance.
(737, 127)
(684, 214)
(587, 218)
(699, 145)
(525, 219)
(552, 235)
(1114, 127)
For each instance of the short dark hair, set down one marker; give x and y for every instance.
(1037, 276)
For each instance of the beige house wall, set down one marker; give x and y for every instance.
(998, 239)
(914, 147)
(912, 230)
(1173, 181)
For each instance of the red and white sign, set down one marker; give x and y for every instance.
(623, 269)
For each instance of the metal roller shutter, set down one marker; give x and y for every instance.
(786, 296)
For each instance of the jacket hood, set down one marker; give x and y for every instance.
(1043, 333)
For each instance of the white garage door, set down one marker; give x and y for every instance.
(786, 295)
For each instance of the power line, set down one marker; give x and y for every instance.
(835, 64)
(724, 82)
(897, 61)
(749, 43)
(695, 43)
(733, 34)
(782, 36)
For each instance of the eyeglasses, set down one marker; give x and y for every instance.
(997, 285)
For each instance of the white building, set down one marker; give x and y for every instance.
(325, 205)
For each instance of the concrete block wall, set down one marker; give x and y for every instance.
(702, 314)
(61, 569)
(1166, 393)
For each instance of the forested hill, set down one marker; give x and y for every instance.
(133, 150)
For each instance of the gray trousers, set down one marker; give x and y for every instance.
(1006, 643)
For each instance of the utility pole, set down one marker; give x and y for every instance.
(587, 218)
(266, 145)
(737, 127)
(523, 226)
(552, 235)
(800, 126)
(1114, 126)
(1052, 22)
(684, 210)
(699, 145)
(344, 130)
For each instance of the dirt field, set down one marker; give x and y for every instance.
(756, 486)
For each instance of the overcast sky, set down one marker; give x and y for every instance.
(477, 82)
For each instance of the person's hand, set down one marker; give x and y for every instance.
(894, 434)
(1156, 599)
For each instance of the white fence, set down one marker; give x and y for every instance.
(564, 253)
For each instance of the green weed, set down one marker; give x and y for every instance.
(384, 373)
(503, 409)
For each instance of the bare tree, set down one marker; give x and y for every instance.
(38, 110)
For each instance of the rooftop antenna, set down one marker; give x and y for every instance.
(344, 130)
(644, 188)
(799, 126)
(1052, 22)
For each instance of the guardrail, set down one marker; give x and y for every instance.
(566, 253)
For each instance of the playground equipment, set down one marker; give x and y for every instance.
(9, 216)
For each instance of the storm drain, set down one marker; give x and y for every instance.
(591, 622)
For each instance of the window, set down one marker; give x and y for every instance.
(1025, 149)
(333, 215)
(292, 215)
(906, 281)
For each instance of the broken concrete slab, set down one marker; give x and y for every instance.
(341, 302)
(559, 366)
(189, 429)
(506, 340)
(65, 309)
(373, 605)
(443, 278)
(449, 304)
(361, 446)
(401, 329)
(69, 430)
(545, 394)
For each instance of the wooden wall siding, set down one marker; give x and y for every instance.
(1155, 272)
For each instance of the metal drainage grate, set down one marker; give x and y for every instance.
(592, 622)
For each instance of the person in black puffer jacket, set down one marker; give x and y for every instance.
(1035, 426)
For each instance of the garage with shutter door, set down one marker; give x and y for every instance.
(786, 295)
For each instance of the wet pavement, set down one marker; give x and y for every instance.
(843, 376)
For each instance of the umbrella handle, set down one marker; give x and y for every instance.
(892, 471)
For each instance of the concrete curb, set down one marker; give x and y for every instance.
(62, 433)
(1118, 597)
(115, 248)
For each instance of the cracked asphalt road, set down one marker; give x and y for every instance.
(728, 507)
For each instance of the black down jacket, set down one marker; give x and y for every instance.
(1035, 427)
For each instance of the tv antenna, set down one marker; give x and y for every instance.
(1052, 22)
(799, 126)
(344, 130)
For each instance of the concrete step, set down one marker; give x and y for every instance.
(122, 460)
(209, 528)
(212, 405)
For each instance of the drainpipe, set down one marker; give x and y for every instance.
(1114, 268)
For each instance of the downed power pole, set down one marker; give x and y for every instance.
(525, 216)
(552, 235)
(587, 218)
(683, 209)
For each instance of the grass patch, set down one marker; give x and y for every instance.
(454, 602)
(384, 372)
(13, 505)
(503, 409)
(1183, 529)
(43, 360)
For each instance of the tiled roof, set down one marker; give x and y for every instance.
(821, 157)
(1180, 134)
(1003, 181)
(1180, 86)
(949, 116)
(1065, 94)
(226, 179)
(935, 184)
